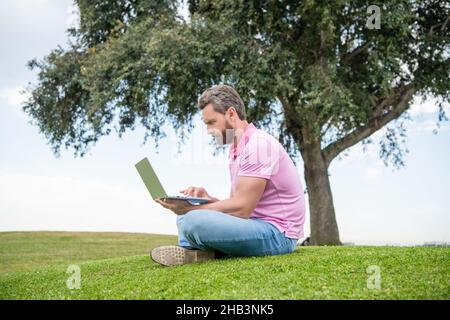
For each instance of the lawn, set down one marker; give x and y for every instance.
(28, 250)
(33, 265)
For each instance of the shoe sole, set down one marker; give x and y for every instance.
(176, 255)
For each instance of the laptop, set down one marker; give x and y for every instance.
(155, 188)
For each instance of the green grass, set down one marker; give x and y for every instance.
(28, 250)
(117, 266)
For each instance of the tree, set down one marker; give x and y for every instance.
(317, 70)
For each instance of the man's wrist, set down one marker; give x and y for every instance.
(201, 206)
(214, 199)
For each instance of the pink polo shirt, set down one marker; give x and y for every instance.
(258, 154)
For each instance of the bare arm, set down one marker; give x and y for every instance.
(244, 200)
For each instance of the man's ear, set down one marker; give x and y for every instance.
(232, 112)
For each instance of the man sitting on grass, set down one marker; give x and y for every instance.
(264, 214)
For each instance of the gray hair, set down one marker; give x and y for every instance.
(222, 98)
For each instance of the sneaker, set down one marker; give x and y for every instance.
(306, 242)
(176, 255)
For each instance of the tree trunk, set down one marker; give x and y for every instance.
(324, 229)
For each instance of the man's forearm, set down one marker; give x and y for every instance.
(231, 206)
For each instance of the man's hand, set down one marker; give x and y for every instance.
(179, 207)
(241, 204)
(198, 192)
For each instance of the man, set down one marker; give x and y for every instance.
(264, 214)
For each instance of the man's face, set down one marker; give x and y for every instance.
(218, 125)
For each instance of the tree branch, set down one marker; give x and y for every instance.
(322, 47)
(399, 100)
(444, 25)
(293, 124)
(349, 56)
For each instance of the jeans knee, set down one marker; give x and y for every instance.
(180, 219)
(192, 223)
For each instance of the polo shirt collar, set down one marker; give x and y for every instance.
(236, 150)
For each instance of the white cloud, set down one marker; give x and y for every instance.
(13, 96)
(357, 155)
(425, 116)
(429, 126)
(429, 106)
(368, 162)
(374, 172)
(39, 202)
(73, 16)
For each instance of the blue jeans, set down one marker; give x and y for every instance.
(233, 236)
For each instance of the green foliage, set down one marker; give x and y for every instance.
(137, 62)
(102, 19)
(58, 105)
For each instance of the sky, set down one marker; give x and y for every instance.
(102, 191)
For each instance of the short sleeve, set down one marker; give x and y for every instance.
(259, 158)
